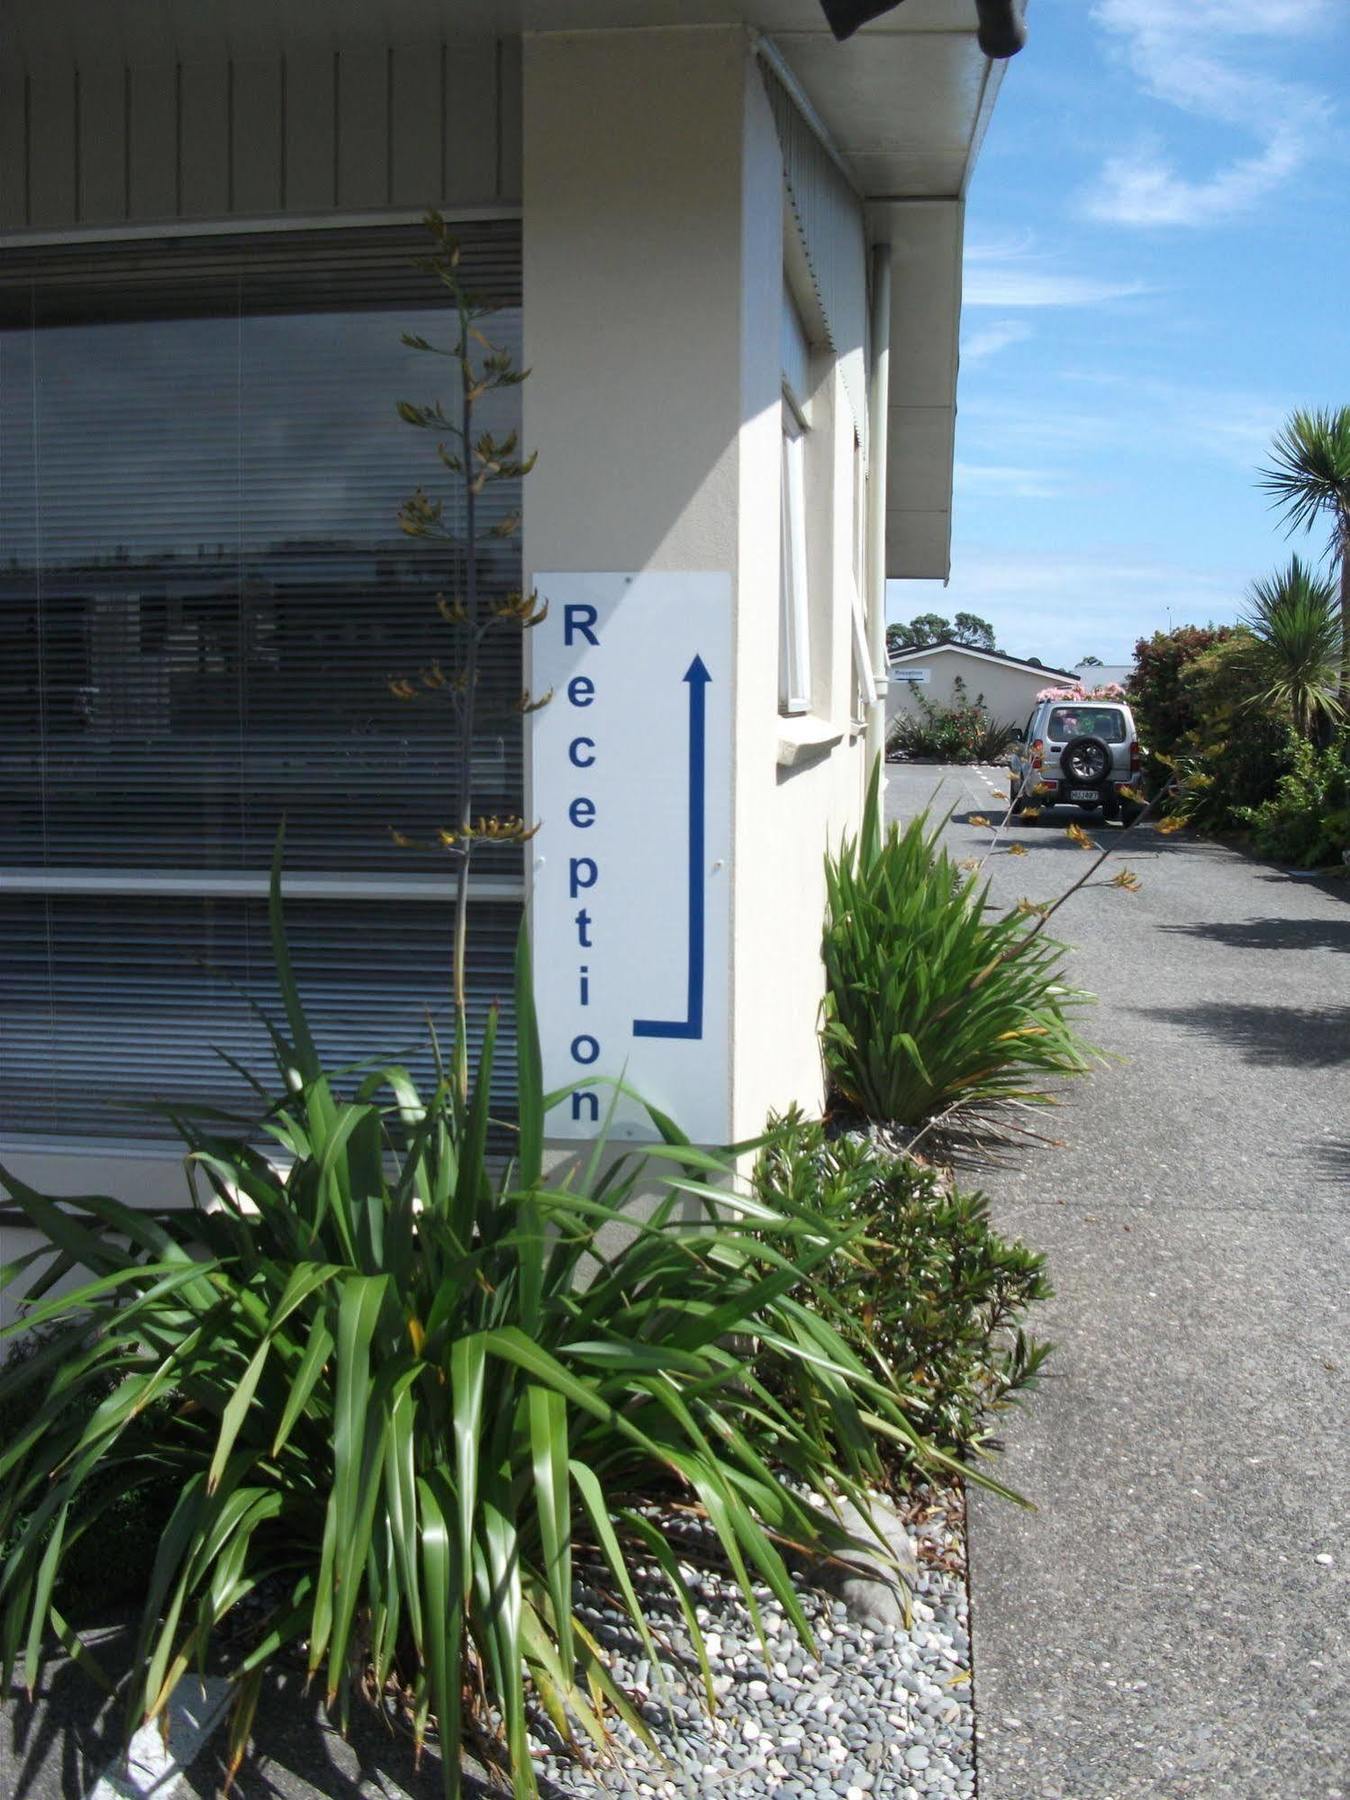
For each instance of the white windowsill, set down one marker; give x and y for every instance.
(805, 738)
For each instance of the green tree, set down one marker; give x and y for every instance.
(1236, 748)
(1309, 478)
(927, 629)
(1297, 665)
(1164, 709)
(974, 631)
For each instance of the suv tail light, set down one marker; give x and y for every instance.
(1134, 756)
(1038, 754)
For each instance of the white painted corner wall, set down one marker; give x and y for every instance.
(653, 222)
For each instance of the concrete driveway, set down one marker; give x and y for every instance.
(1175, 1619)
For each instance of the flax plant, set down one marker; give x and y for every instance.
(476, 460)
(390, 1386)
(935, 1006)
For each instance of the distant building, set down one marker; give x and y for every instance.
(1095, 675)
(1008, 684)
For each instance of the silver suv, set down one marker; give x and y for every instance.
(1077, 753)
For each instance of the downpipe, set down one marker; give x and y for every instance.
(878, 399)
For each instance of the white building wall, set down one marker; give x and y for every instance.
(653, 207)
(798, 782)
(1009, 693)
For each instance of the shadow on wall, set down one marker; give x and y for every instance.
(1299, 1036)
(1272, 934)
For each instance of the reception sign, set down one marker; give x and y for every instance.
(631, 893)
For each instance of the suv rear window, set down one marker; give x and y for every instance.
(1104, 722)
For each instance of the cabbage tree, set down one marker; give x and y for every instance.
(1297, 656)
(1310, 481)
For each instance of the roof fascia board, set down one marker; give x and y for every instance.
(999, 662)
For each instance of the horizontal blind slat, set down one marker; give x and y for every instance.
(203, 597)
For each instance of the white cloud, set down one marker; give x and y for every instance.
(1229, 425)
(1091, 414)
(1196, 55)
(1061, 606)
(1015, 275)
(987, 340)
(1010, 481)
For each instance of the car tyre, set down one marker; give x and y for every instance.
(1015, 800)
(1085, 761)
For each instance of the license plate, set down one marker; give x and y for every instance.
(1089, 795)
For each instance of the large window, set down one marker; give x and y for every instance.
(203, 595)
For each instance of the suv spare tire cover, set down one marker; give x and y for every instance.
(1086, 760)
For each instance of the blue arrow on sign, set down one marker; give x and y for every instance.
(691, 1026)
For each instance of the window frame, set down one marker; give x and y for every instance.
(794, 611)
(62, 260)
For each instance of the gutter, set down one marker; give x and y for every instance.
(1002, 29)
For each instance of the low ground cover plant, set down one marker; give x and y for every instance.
(393, 1385)
(928, 1293)
(1307, 820)
(936, 1006)
(962, 732)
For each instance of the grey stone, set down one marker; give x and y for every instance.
(871, 1584)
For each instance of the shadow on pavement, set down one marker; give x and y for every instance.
(1272, 933)
(296, 1753)
(1335, 883)
(56, 1745)
(1332, 1160)
(1050, 830)
(1300, 1036)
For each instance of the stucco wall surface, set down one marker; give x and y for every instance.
(1009, 692)
(653, 289)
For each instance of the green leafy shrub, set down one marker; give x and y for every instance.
(961, 733)
(132, 1513)
(934, 1004)
(1307, 820)
(393, 1386)
(1234, 751)
(930, 1293)
(1163, 706)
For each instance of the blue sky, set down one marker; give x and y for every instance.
(1157, 271)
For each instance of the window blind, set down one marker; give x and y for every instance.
(203, 595)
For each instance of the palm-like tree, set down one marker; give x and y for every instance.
(1310, 480)
(1297, 655)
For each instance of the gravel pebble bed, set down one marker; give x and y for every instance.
(875, 1711)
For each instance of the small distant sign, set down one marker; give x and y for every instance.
(915, 677)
